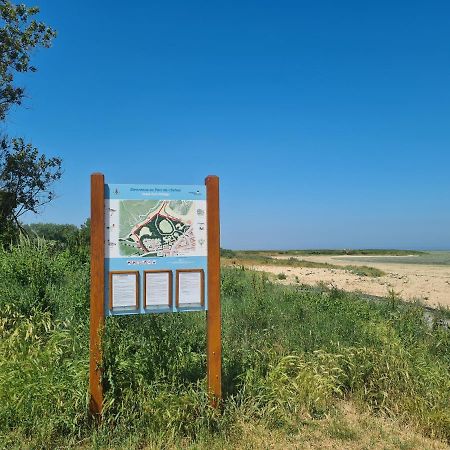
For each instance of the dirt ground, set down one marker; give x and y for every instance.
(430, 283)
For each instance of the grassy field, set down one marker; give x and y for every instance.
(441, 258)
(302, 367)
(248, 259)
(312, 252)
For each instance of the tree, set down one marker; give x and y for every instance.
(26, 177)
(19, 35)
(67, 235)
(63, 233)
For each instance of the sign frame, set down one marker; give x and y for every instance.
(111, 293)
(97, 293)
(202, 287)
(170, 291)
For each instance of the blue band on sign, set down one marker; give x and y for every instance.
(157, 192)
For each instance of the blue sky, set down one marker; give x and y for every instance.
(327, 122)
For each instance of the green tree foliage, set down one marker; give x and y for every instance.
(66, 237)
(63, 233)
(85, 232)
(26, 176)
(19, 35)
(25, 180)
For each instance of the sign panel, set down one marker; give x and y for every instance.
(157, 289)
(190, 288)
(150, 229)
(123, 290)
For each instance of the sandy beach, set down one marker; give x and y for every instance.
(429, 283)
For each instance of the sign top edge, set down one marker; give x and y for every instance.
(155, 191)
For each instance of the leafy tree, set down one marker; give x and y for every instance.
(65, 234)
(19, 35)
(26, 177)
(68, 235)
(75, 240)
(85, 233)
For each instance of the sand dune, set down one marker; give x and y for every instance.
(430, 283)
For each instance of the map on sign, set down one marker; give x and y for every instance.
(156, 228)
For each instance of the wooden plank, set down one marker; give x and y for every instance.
(97, 313)
(213, 315)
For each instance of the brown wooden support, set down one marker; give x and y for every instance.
(213, 315)
(97, 313)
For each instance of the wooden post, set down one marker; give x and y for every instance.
(97, 313)
(213, 315)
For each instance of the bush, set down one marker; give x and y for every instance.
(225, 253)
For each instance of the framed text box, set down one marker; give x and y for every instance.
(157, 289)
(123, 289)
(190, 288)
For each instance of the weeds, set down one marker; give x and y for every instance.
(290, 355)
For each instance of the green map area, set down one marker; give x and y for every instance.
(152, 228)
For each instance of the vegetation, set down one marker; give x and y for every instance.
(246, 259)
(225, 253)
(355, 252)
(294, 359)
(26, 176)
(65, 236)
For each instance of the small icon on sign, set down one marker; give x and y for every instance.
(116, 191)
(200, 212)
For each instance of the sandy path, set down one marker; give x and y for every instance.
(430, 283)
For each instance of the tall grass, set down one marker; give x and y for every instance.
(289, 355)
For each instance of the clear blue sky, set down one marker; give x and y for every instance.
(328, 122)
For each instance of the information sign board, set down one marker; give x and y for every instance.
(156, 231)
(154, 249)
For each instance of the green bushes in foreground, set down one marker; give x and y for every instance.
(289, 355)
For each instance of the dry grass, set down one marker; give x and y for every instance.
(253, 260)
(347, 427)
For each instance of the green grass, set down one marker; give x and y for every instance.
(291, 355)
(435, 258)
(381, 252)
(340, 430)
(364, 271)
